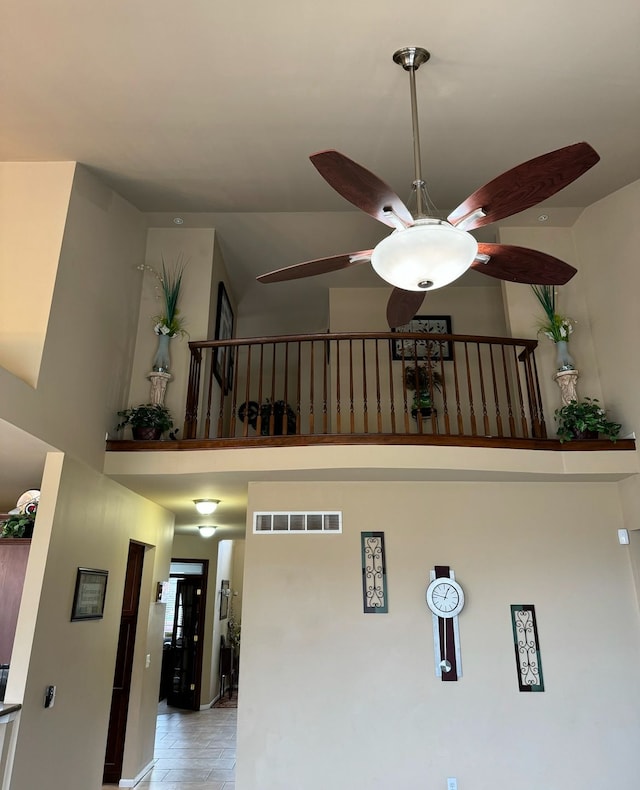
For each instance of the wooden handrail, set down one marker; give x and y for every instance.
(356, 383)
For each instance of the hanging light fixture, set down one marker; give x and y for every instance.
(206, 506)
(207, 532)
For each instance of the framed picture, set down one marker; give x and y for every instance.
(223, 331)
(88, 598)
(225, 592)
(429, 324)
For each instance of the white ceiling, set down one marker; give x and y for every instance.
(214, 107)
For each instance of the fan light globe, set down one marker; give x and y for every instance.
(429, 254)
(206, 506)
(207, 532)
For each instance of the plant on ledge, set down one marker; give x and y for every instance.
(585, 420)
(18, 525)
(147, 421)
(423, 379)
(281, 411)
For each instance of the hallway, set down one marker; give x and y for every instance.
(195, 750)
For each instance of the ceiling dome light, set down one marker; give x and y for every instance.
(207, 532)
(206, 506)
(429, 254)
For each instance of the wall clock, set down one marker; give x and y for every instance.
(445, 599)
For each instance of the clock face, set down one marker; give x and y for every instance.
(445, 597)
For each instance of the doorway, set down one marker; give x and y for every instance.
(124, 662)
(184, 629)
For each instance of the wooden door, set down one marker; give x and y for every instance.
(14, 554)
(124, 663)
(186, 644)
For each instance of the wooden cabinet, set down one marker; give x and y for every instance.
(14, 553)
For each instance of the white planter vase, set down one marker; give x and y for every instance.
(161, 361)
(564, 360)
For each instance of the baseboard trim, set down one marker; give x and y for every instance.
(210, 704)
(139, 777)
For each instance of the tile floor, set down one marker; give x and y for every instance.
(195, 750)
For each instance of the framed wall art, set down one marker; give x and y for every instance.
(89, 595)
(223, 331)
(225, 592)
(422, 349)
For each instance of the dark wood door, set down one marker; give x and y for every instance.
(124, 662)
(14, 554)
(186, 644)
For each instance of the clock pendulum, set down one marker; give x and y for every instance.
(445, 599)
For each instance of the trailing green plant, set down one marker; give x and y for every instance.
(554, 326)
(147, 415)
(17, 524)
(587, 415)
(424, 379)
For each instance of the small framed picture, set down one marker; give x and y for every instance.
(224, 599)
(422, 349)
(223, 331)
(88, 598)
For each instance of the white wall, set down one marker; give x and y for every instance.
(84, 520)
(86, 362)
(332, 697)
(34, 198)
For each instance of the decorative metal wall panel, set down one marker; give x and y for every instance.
(374, 573)
(527, 647)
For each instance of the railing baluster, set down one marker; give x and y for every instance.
(352, 423)
(472, 413)
(536, 379)
(325, 385)
(365, 407)
(392, 403)
(312, 423)
(505, 371)
(378, 404)
(338, 414)
(456, 382)
(523, 416)
(298, 387)
(496, 396)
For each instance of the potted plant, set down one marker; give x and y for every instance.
(18, 525)
(555, 326)
(281, 411)
(585, 420)
(422, 379)
(147, 421)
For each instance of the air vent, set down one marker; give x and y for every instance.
(279, 523)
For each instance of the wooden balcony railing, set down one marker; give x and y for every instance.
(363, 384)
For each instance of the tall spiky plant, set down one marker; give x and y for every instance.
(170, 322)
(555, 327)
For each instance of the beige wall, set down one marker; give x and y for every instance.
(84, 520)
(86, 363)
(335, 698)
(198, 301)
(34, 198)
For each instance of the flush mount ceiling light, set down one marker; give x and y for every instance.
(207, 532)
(178, 220)
(424, 252)
(206, 506)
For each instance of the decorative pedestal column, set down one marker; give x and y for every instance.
(567, 380)
(159, 383)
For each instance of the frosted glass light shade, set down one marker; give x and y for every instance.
(206, 506)
(428, 255)
(207, 532)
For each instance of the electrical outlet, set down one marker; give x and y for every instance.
(452, 783)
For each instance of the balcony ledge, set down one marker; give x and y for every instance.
(385, 458)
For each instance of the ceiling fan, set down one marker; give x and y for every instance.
(423, 252)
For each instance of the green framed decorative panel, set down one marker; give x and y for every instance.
(374, 573)
(527, 647)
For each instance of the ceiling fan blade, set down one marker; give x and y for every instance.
(317, 266)
(402, 306)
(360, 187)
(526, 185)
(522, 265)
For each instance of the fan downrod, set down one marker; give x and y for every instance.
(411, 58)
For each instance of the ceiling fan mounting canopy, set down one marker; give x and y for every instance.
(429, 254)
(424, 253)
